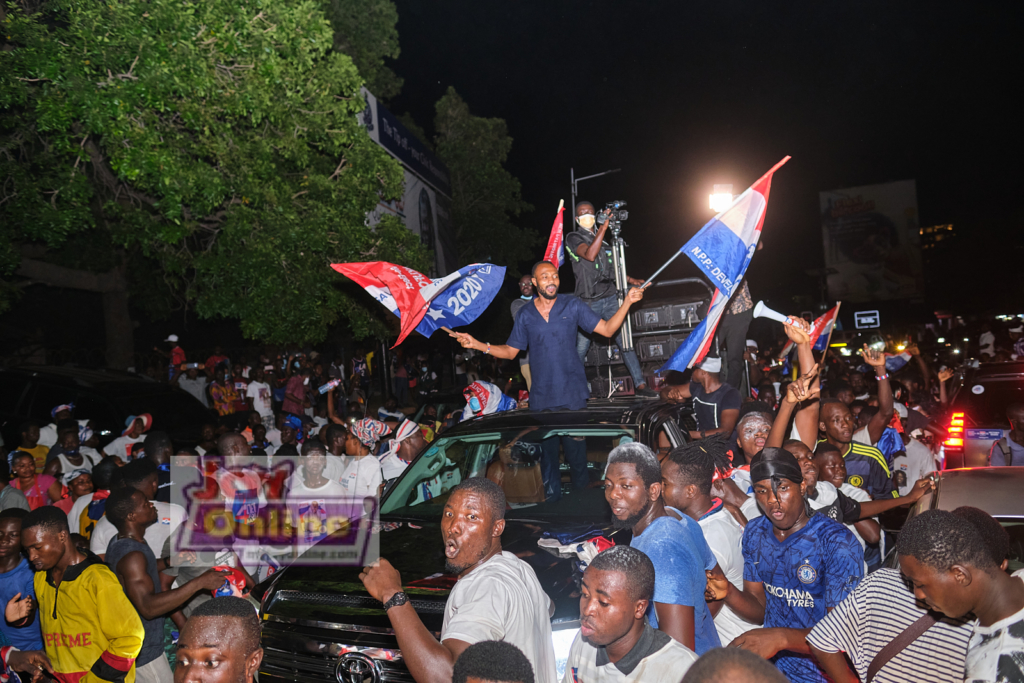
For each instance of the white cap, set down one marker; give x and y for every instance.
(751, 343)
(172, 338)
(711, 364)
(901, 409)
(1017, 330)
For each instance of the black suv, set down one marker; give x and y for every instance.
(107, 397)
(320, 625)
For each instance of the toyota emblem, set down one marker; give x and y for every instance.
(356, 668)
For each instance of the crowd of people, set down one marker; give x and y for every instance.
(755, 550)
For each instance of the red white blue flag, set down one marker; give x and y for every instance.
(819, 332)
(722, 249)
(554, 253)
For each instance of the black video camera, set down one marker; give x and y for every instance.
(613, 212)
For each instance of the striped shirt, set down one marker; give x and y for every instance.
(867, 468)
(881, 608)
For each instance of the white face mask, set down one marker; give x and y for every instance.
(305, 382)
(586, 221)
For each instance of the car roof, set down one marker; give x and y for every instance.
(107, 380)
(996, 490)
(598, 411)
(1000, 370)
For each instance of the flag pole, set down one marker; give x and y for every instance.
(663, 267)
(828, 341)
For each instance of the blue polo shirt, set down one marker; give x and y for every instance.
(19, 580)
(559, 381)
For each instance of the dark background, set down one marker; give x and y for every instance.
(685, 95)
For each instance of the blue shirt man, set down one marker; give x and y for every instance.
(16, 577)
(547, 327)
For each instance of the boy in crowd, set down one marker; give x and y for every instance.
(81, 602)
(616, 644)
(673, 542)
(221, 636)
(16, 582)
(951, 569)
(796, 568)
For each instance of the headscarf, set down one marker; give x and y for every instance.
(391, 463)
(775, 464)
(69, 477)
(369, 431)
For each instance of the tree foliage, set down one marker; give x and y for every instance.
(211, 148)
(365, 31)
(485, 196)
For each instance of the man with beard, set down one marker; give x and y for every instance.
(797, 567)
(547, 327)
(673, 542)
(496, 597)
(615, 643)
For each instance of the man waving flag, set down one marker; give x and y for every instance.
(722, 249)
(423, 304)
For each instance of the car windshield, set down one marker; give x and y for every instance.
(984, 401)
(512, 459)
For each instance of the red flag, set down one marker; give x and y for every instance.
(405, 291)
(554, 254)
(821, 326)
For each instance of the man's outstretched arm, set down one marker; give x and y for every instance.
(608, 328)
(500, 351)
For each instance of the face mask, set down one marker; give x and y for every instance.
(424, 368)
(586, 221)
(305, 382)
(474, 404)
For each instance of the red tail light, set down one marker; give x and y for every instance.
(955, 431)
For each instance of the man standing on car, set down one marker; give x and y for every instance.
(547, 327)
(497, 595)
(716, 404)
(595, 283)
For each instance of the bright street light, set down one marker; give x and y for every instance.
(721, 198)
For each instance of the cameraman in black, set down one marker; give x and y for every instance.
(592, 265)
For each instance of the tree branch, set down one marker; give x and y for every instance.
(59, 276)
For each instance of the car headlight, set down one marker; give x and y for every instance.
(562, 640)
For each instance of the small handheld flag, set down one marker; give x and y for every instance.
(820, 332)
(554, 254)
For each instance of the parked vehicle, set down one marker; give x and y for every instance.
(320, 625)
(996, 490)
(107, 397)
(977, 412)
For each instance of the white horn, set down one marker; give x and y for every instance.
(762, 311)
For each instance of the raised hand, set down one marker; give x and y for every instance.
(946, 374)
(467, 340)
(874, 358)
(635, 294)
(798, 331)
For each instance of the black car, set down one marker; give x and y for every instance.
(977, 412)
(107, 397)
(320, 625)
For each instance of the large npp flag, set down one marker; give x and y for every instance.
(722, 249)
(424, 304)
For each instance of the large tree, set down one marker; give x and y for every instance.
(485, 196)
(208, 151)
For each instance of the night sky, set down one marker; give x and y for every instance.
(685, 95)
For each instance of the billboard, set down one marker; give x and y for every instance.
(425, 207)
(872, 241)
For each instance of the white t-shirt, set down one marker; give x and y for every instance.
(312, 524)
(996, 652)
(274, 437)
(862, 436)
(916, 463)
(502, 600)
(75, 513)
(749, 507)
(90, 459)
(259, 392)
(48, 433)
(725, 538)
(333, 470)
(666, 664)
(360, 476)
(122, 448)
(168, 518)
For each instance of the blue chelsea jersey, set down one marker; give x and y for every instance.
(804, 576)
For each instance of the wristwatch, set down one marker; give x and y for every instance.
(399, 598)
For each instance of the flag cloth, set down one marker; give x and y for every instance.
(819, 332)
(423, 304)
(722, 249)
(554, 254)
